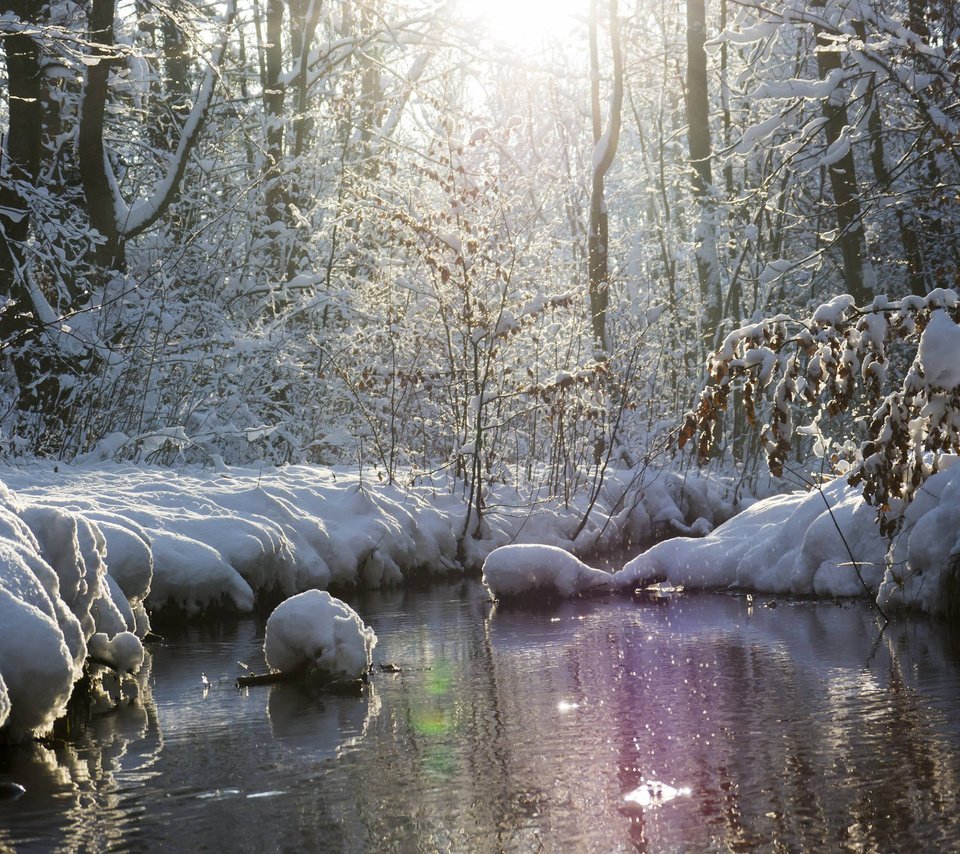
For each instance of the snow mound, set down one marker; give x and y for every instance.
(313, 632)
(57, 605)
(788, 544)
(4, 702)
(195, 576)
(922, 555)
(36, 667)
(937, 352)
(520, 569)
(123, 652)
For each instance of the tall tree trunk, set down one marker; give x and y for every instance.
(698, 137)
(843, 176)
(605, 149)
(21, 159)
(273, 101)
(21, 156)
(301, 44)
(94, 172)
(912, 250)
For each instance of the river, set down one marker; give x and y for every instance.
(703, 722)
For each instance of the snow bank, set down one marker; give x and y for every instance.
(57, 604)
(315, 633)
(517, 570)
(930, 541)
(4, 702)
(86, 551)
(200, 539)
(794, 544)
(633, 507)
(786, 544)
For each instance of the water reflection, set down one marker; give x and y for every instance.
(305, 719)
(694, 723)
(84, 777)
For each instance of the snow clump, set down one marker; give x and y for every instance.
(516, 570)
(315, 633)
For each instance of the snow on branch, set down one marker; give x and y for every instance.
(143, 214)
(818, 364)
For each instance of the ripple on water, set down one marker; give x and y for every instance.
(698, 723)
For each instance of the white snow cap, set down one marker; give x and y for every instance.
(4, 702)
(314, 630)
(123, 651)
(939, 346)
(517, 569)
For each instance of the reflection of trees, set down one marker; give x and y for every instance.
(777, 719)
(454, 787)
(792, 727)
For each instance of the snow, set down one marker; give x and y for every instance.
(785, 544)
(831, 313)
(937, 354)
(4, 702)
(123, 651)
(515, 570)
(921, 555)
(315, 632)
(86, 551)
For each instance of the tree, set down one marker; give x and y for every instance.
(841, 166)
(698, 134)
(605, 142)
(817, 366)
(109, 213)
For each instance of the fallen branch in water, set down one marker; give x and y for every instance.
(345, 687)
(270, 678)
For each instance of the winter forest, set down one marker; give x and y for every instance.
(309, 295)
(418, 236)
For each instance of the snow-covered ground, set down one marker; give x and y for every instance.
(87, 552)
(824, 542)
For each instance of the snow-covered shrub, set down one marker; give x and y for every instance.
(817, 365)
(523, 570)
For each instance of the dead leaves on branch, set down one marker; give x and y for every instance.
(806, 368)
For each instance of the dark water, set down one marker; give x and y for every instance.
(698, 724)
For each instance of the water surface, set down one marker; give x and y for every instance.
(702, 723)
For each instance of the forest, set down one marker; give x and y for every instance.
(603, 355)
(416, 236)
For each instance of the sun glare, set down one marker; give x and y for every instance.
(526, 24)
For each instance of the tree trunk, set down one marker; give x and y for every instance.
(273, 98)
(698, 137)
(843, 177)
(912, 250)
(92, 152)
(21, 160)
(605, 149)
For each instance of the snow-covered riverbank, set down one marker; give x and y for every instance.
(822, 543)
(86, 553)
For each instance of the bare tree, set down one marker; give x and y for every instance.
(605, 142)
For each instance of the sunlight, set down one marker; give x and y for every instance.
(525, 25)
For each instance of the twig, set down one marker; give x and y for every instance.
(854, 562)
